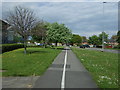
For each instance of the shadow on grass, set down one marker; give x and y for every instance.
(33, 52)
(58, 48)
(61, 48)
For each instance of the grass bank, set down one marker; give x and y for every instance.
(103, 66)
(35, 62)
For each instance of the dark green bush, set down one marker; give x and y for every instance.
(10, 47)
(117, 47)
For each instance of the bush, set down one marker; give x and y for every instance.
(117, 47)
(10, 47)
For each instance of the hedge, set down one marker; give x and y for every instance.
(10, 47)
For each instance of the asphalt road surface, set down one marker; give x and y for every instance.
(105, 50)
(66, 72)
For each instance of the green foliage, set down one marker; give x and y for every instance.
(103, 66)
(18, 39)
(101, 37)
(118, 34)
(35, 62)
(58, 33)
(117, 47)
(10, 47)
(76, 39)
(97, 40)
(84, 39)
(94, 40)
(39, 31)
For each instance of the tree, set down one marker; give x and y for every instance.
(76, 39)
(94, 40)
(39, 32)
(118, 39)
(114, 38)
(23, 21)
(84, 39)
(101, 37)
(58, 33)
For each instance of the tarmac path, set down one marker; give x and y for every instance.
(66, 72)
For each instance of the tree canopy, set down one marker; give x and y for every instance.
(22, 21)
(58, 33)
(118, 39)
(103, 35)
(76, 39)
(94, 40)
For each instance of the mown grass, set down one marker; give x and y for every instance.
(35, 62)
(103, 66)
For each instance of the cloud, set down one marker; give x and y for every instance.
(83, 18)
(60, 0)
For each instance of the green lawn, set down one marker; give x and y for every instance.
(103, 66)
(35, 62)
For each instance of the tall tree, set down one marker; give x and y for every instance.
(76, 39)
(118, 39)
(103, 35)
(84, 39)
(114, 38)
(39, 32)
(23, 21)
(58, 33)
(94, 40)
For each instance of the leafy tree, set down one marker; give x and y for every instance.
(58, 33)
(118, 39)
(39, 32)
(114, 38)
(22, 21)
(76, 39)
(94, 40)
(103, 35)
(84, 39)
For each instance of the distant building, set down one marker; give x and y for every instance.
(83, 43)
(7, 33)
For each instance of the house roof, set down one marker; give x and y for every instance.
(4, 24)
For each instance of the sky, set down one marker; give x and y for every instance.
(85, 18)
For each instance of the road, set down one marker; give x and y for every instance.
(106, 50)
(66, 72)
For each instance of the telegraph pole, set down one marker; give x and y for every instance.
(103, 29)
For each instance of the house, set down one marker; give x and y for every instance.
(112, 43)
(7, 34)
(83, 43)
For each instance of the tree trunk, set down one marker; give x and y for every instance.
(25, 46)
(56, 43)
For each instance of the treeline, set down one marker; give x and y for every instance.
(26, 24)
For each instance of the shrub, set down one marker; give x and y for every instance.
(117, 47)
(10, 47)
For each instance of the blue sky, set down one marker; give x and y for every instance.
(83, 18)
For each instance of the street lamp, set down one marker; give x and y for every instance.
(103, 29)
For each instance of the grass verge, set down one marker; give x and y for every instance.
(103, 66)
(35, 62)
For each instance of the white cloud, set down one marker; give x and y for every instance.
(61, 0)
(82, 18)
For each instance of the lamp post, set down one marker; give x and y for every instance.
(103, 29)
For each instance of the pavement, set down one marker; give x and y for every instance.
(105, 50)
(19, 82)
(76, 76)
(65, 72)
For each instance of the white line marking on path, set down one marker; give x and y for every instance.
(63, 75)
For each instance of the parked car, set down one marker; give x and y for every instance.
(84, 46)
(87, 46)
